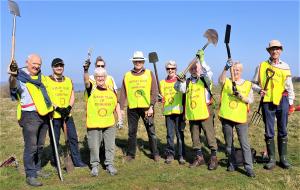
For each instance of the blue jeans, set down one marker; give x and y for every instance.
(270, 111)
(34, 131)
(174, 123)
(72, 138)
(242, 133)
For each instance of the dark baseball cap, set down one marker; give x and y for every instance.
(57, 61)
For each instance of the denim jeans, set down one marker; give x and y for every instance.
(270, 111)
(34, 128)
(242, 133)
(95, 138)
(72, 138)
(174, 123)
(133, 116)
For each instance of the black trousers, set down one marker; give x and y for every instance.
(133, 116)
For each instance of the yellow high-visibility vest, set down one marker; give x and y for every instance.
(59, 93)
(173, 99)
(138, 89)
(195, 104)
(276, 84)
(100, 108)
(37, 98)
(231, 107)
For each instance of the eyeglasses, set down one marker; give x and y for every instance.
(100, 66)
(58, 65)
(170, 69)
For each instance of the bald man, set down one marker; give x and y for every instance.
(27, 87)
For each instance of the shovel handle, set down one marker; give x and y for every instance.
(269, 73)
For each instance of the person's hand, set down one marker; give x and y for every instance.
(238, 95)
(13, 66)
(86, 65)
(120, 124)
(68, 110)
(228, 64)
(200, 55)
(150, 111)
(181, 76)
(160, 98)
(262, 93)
(291, 109)
(61, 111)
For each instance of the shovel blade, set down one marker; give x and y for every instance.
(212, 36)
(153, 58)
(13, 8)
(69, 164)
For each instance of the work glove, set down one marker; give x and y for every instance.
(68, 110)
(291, 109)
(13, 67)
(120, 124)
(200, 55)
(228, 64)
(62, 111)
(181, 76)
(86, 65)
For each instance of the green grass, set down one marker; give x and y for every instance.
(144, 173)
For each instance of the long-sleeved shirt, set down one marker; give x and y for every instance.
(205, 72)
(288, 82)
(153, 93)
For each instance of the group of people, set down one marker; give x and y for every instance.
(44, 99)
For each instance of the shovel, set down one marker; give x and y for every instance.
(67, 160)
(14, 10)
(153, 58)
(212, 37)
(256, 117)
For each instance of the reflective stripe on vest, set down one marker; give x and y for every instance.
(173, 99)
(276, 84)
(138, 89)
(100, 109)
(231, 107)
(196, 107)
(59, 93)
(37, 97)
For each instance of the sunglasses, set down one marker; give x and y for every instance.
(100, 66)
(170, 69)
(58, 65)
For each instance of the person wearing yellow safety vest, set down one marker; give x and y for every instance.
(233, 112)
(278, 102)
(198, 109)
(28, 87)
(110, 83)
(140, 90)
(100, 120)
(173, 111)
(61, 93)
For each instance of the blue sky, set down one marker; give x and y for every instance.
(174, 29)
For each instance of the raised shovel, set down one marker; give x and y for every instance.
(212, 37)
(14, 10)
(256, 117)
(67, 160)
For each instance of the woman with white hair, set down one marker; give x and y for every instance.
(172, 110)
(100, 120)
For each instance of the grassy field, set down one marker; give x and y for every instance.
(144, 173)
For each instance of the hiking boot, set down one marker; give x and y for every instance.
(230, 167)
(181, 160)
(156, 158)
(199, 160)
(111, 170)
(42, 174)
(33, 181)
(271, 154)
(250, 173)
(282, 150)
(129, 158)
(94, 171)
(169, 159)
(80, 165)
(213, 163)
